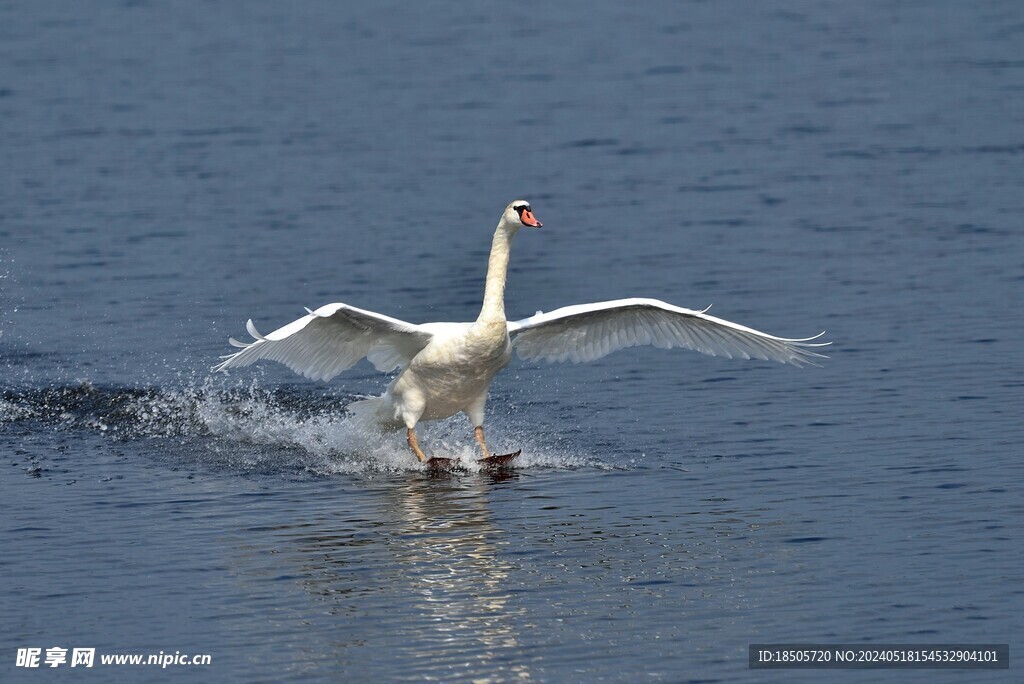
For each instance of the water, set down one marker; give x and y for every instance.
(171, 170)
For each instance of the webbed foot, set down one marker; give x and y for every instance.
(499, 460)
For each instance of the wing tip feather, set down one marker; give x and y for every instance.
(251, 327)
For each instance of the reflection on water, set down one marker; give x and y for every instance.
(450, 563)
(422, 575)
(414, 576)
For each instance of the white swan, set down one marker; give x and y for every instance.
(448, 367)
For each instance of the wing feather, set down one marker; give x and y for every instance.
(251, 329)
(331, 339)
(588, 332)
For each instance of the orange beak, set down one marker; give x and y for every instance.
(528, 220)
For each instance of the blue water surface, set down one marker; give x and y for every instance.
(169, 170)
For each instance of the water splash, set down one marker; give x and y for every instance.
(255, 429)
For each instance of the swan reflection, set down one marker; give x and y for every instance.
(420, 581)
(453, 568)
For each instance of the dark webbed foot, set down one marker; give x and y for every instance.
(499, 460)
(440, 464)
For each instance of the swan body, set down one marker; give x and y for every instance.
(447, 368)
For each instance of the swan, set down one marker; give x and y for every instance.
(447, 368)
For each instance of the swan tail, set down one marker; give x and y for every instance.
(377, 412)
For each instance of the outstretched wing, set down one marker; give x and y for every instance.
(590, 331)
(332, 339)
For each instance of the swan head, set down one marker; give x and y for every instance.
(518, 214)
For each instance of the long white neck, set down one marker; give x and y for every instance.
(493, 309)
